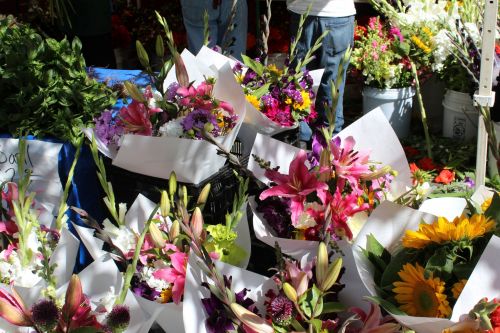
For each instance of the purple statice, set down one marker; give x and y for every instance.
(249, 77)
(292, 92)
(141, 288)
(195, 121)
(307, 81)
(171, 92)
(238, 68)
(276, 212)
(469, 182)
(217, 318)
(269, 100)
(108, 129)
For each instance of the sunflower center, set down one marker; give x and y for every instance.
(426, 302)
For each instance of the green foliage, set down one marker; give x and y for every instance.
(44, 88)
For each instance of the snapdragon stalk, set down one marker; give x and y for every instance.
(133, 266)
(109, 199)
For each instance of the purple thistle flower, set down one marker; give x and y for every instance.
(107, 128)
(118, 318)
(45, 314)
(281, 310)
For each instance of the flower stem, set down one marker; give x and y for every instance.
(132, 267)
(422, 110)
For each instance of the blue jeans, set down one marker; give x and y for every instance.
(340, 36)
(219, 20)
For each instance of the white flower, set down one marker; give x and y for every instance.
(173, 128)
(155, 102)
(106, 303)
(423, 190)
(146, 275)
(305, 220)
(123, 237)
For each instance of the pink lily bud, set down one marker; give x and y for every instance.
(250, 319)
(12, 309)
(197, 222)
(74, 296)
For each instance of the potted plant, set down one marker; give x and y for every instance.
(386, 73)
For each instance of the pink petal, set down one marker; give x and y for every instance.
(178, 289)
(166, 274)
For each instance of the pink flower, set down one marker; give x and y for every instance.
(349, 164)
(395, 32)
(13, 310)
(299, 278)
(175, 274)
(383, 47)
(374, 322)
(198, 98)
(296, 185)
(341, 209)
(135, 117)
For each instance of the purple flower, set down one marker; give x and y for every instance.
(238, 67)
(172, 91)
(141, 288)
(469, 182)
(119, 318)
(217, 320)
(195, 121)
(281, 310)
(276, 212)
(318, 144)
(107, 128)
(45, 314)
(249, 77)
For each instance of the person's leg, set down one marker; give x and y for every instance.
(306, 39)
(192, 14)
(335, 44)
(233, 38)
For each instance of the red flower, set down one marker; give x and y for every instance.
(413, 168)
(359, 32)
(495, 318)
(445, 176)
(410, 151)
(497, 49)
(427, 164)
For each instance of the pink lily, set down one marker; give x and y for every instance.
(175, 274)
(374, 322)
(13, 310)
(349, 164)
(198, 98)
(296, 185)
(299, 278)
(341, 209)
(135, 117)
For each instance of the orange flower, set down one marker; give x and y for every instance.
(445, 176)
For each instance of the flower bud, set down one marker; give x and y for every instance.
(202, 198)
(172, 184)
(175, 229)
(324, 166)
(321, 263)
(250, 319)
(184, 195)
(290, 292)
(332, 275)
(197, 222)
(119, 318)
(74, 296)
(156, 236)
(164, 204)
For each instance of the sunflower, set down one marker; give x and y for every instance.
(457, 288)
(419, 296)
(254, 101)
(443, 231)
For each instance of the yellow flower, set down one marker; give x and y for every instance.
(458, 287)
(220, 120)
(427, 31)
(306, 101)
(420, 44)
(274, 70)
(419, 296)
(165, 295)
(254, 101)
(442, 231)
(288, 101)
(486, 204)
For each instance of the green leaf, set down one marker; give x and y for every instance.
(254, 65)
(317, 324)
(388, 306)
(261, 91)
(441, 263)
(494, 211)
(330, 307)
(85, 330)
(308, 301)
(390, 274)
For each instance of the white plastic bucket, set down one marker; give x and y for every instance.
(396, 104)
(459, 116)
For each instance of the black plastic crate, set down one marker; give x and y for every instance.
(224, 185)
(290, 136)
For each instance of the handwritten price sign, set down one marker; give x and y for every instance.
(41, 159)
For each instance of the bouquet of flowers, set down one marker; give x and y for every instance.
(174, 125)
(46, 315)
(325, 191)
(284, 97)
(419, 264)
(149, 241)
(37, 251)
(378, 56)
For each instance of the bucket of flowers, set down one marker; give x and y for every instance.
(427, 270)
(163, 131)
